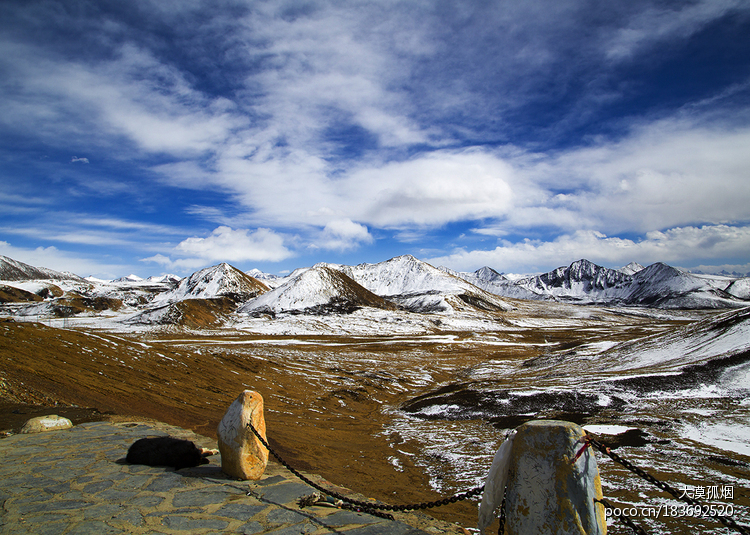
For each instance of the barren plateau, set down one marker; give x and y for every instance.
(413, 415)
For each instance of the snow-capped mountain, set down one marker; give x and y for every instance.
(320, 289)
(420, 287)
(169, 278)
(403, 282)
(272, 281)
(404, 275)
(129, 278)
(582, 280)
(631, 269)
(221, 280)
(663, 286)
(13, 270)
(417, 286)
(657, 285)
(493, 282)
(204, 299)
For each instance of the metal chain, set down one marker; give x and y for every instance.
(728, 521)
(365, 505)
(501, 518)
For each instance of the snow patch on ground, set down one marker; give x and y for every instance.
(729, 437)
(607, 429)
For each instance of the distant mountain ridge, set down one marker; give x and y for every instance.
(403, 282)
(13, 270)
(658, 285)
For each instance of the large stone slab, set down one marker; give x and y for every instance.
(243, 456)
(548, 493)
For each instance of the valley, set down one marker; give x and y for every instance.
(402, 391)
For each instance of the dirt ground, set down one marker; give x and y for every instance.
(89, 376)
(329, 401)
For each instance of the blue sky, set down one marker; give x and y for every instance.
(165, 136)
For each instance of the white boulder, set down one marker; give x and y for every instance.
(50, 422)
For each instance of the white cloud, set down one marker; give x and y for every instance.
(343, 235)
(225, 244)
(410, 80)
(681, 246)
(133, 96)
(333, 63)
(83, 228)
(431, 190)
(665, 174)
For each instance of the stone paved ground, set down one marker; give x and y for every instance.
(75, 481)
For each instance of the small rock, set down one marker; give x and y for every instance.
(242, 454)
(50, 422)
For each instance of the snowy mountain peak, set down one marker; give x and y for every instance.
(486, 273)
(222, 280)
(403, 275)
(320, 289)
(14, 270)
(631, 269)
(168, 278)
(129, 278)
(580, 278)
(658, 285)
(659, 272)
(272, 281)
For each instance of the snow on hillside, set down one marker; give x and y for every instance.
(582, 280)
(657, 285)
(320, 289)
(404, 282)
(129, 278)
(420, 287)
(740, 288)
(168, 278)
(723, 335)
(664, 286)
(13, 270)
(405, 275)
(221, 280)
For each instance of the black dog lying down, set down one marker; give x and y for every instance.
(167, 451)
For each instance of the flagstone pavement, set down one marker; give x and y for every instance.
(76, 481)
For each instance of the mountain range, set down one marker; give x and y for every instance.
(210, 295)
(658, 285)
